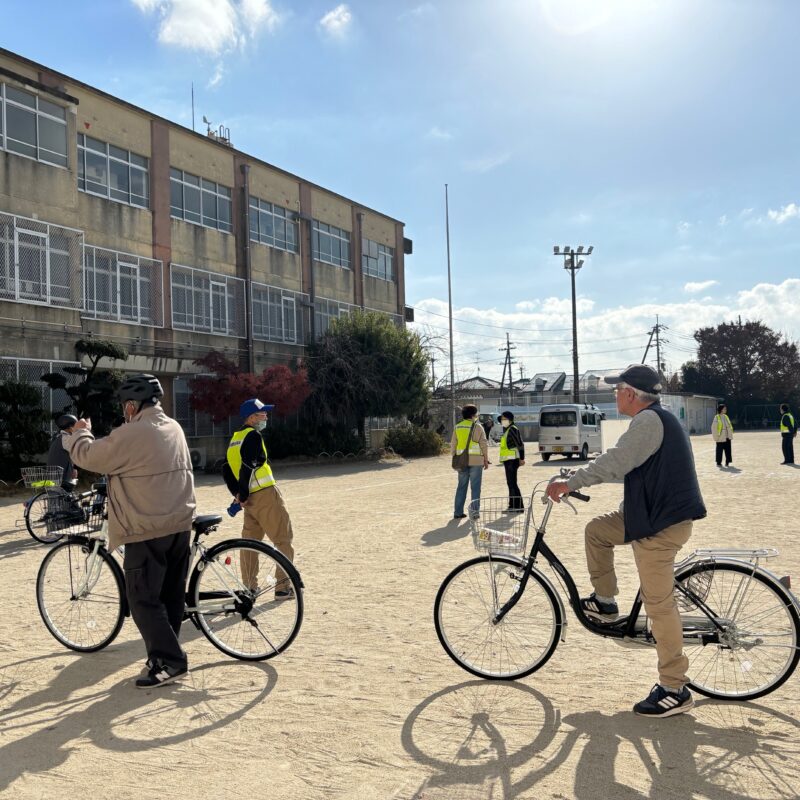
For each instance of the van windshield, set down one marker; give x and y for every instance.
(558, 419)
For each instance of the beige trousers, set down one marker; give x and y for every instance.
(266, 514)
(655, 561)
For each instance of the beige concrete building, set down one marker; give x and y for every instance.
(118, 224)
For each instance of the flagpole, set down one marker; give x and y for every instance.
(450, 308)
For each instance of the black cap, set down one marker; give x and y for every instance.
(506, 415)
(640, 376)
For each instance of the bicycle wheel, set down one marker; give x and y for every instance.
(757, 648)
(232, 594)
(36, 516)
(467, 601)
(80, 595)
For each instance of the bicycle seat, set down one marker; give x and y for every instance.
(204, 523)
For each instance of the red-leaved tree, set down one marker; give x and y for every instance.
(221, 394)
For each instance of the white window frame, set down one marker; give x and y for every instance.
(287, 303)
(82, 150)
(218, 225)
(366, 259)
(334, 233)
(37, 114)
(288, 217)
(207, 297)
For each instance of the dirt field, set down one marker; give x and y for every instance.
(365, 704)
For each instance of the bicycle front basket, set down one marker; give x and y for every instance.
(70, 515)
(41, 477)
(495, 528)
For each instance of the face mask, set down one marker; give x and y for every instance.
(260, 425)
(505, 422)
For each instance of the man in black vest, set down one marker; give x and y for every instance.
(661, 499)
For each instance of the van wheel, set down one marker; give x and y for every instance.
(546, 456)
(584, 452)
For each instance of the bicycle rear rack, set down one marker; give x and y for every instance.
(744, 554)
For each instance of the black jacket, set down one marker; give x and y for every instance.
(514, 440)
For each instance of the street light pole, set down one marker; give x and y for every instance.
(573, 265)
(450, 310)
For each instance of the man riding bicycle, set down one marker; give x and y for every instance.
(661, 499)
(150, 508)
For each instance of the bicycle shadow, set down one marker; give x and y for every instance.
(487, 739)
(19, 546)
(60, 717)
(447, 533)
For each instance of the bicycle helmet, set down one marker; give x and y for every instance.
(141, 388)
(65, 421)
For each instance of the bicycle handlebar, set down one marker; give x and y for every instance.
(578, 496)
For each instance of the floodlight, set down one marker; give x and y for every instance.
(555, 250)
(580, 249)
(589, 251)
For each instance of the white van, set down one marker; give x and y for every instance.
(571, 430)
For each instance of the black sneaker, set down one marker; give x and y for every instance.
(459, 516)
(596, 608)
(663, 703)
(159, 675)
(284, 594)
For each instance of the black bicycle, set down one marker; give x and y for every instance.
(499, 617)
(80, 592)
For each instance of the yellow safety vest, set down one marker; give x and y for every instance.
(720, 425)
(462, 434)
(505, 453)
(786, 428)
(261, 478)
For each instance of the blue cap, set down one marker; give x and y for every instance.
(253, 406)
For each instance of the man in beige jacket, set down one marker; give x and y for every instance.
(150, 508)
(469, 436)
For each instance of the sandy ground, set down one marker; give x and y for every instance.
(366, 704)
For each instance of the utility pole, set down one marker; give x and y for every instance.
(658, 347)
(450, 309)
(655, 332)
(573, 265)
(507, 362)
(433, 371)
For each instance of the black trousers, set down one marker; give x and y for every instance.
(724, 447)
(787, 445)
(155, 577)
(514, 494)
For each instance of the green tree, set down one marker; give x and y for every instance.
(365, 365)
(745, 363)
(95, 395)
(22, 425)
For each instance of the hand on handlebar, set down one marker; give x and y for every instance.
(556, 490)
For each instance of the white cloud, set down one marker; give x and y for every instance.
(581, 218)
(438, 133)
(683, 228)
(607, 337)
(699, 286)
(212, 26)
(216, 78)
(422, 10)
(336, 23)
(790, 211)
(723, 221)
(487, 163)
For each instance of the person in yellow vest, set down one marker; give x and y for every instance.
(788, 432)
(512, 457)
(722, 433)
(249, 478)
(478, 451)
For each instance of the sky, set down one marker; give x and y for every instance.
(662, 132)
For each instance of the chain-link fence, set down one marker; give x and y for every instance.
(123, 287)
(31, 370)
(207, 302)
(40, 263)
(196, 423)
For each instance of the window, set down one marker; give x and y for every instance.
(205, 301)
(331, 244)
(31, 126)
(193, 422)
(325, 311)
(273, 225)
(377, 259)
(200, 201)
(39, 262)
(277, 314)
(112, 172)
(558, 419)
(122, 287)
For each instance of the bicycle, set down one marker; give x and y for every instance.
(80, 592)
(499, 617)
(51, 495)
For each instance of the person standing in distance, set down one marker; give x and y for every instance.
(512, 455)
(249, 479)
(477, 448)
(788, 432)
(661, 500)
(151, 503)
(722, 433)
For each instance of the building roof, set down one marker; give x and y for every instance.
(228, 148)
